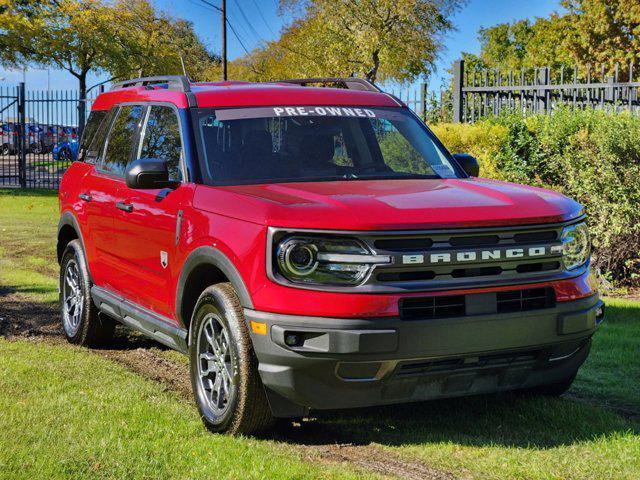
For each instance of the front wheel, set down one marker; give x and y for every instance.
(80, 320)
(224, 369)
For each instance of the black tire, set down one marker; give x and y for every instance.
(242, 407)
(64, 156)
(553, 389)
(5, 150)
(81, 323)
(35, 148)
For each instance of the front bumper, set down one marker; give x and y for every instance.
(332, 363)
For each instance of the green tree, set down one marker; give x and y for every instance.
(375, 39)
(82, 36)
(588, 32)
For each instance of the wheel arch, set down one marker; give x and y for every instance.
(68, 230)
(206, 266)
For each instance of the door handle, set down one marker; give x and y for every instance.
(126, 207)
(85, 196)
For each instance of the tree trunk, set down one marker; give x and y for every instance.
(82, 101)
(373, 72)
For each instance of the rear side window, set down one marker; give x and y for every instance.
(121, 139)
(161, 139)
(92, 137)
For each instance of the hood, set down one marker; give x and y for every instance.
(389, 204)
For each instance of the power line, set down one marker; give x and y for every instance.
(263, 17)
(233, 30)
(246, 19)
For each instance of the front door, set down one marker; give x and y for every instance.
(148, 227)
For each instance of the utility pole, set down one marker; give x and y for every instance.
(223, 10)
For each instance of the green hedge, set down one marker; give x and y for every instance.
(590, 156)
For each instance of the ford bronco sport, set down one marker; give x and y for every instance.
(315, 248)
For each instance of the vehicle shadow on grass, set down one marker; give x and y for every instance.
(509, 419)
(23, 318)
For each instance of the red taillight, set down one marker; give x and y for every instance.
(74, 135)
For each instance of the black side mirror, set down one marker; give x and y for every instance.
(148, 173)
(468, 163)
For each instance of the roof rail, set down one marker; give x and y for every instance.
(181, 82)
(350, 83)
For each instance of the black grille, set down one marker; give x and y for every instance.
(495, 360)
(474, 241)
(446, 306)
(404, 244)
(525, 300)
(406, 276)
(533, 237)
(432, 307)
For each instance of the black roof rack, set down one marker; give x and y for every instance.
(350, 83)
(181, 82)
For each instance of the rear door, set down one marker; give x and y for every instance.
(147, 230)
(102, 188)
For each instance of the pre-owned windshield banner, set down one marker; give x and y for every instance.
(307, 111)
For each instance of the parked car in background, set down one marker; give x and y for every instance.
(66, 151)
(9, 138)
(37, 140)
(62, 133)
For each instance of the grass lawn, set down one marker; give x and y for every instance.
(86, 416)
(82, 416)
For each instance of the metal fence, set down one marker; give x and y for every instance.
(479, 94)
(39, 132)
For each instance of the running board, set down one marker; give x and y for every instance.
(148, 323)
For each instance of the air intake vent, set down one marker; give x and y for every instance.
(525, 300)
(432, 307)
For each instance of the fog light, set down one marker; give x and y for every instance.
(293, 339)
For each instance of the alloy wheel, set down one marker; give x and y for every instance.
(215, 365)
(72, 298)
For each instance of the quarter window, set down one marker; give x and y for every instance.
(121, 139)
(93, 136)
(161, 139)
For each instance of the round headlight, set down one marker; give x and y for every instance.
(300, 259)
(315, 260)
(576, 246)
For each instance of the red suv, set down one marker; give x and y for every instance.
(315, 248)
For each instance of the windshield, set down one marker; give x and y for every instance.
(307, 144)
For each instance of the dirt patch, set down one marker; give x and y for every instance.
(625, 411)
(21, 318)
(148, 363)
(374, 459)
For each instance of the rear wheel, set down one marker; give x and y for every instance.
(35, 148)
(5, 149)
(80, 320)
(224, 369)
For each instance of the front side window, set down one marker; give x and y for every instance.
(121, 139)
(297, 144)
(161, 139)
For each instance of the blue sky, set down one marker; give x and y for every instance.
(257, 21)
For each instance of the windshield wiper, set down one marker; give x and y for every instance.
(350, 176)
